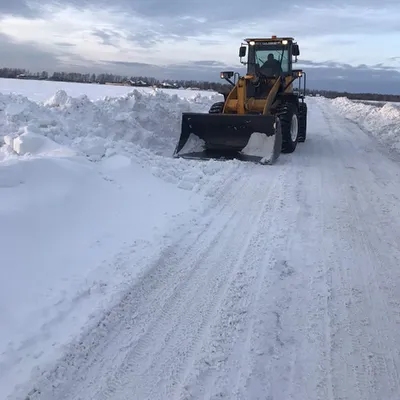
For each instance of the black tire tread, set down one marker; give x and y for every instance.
(285, 115)
(302, 122)
(217, 108)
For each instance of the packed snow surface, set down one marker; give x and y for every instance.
(126, 273)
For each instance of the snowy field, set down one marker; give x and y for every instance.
(41, 90)
(126, 273)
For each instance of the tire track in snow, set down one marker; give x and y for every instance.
(245, 224)
(357, 303)
(276, 356)
(267, 271)
(234, 250)
(310, 376)
(185, 315)
(268, 312)
(220, 347)
(342, 291)
(133, 301)
(93, 346)
(271, 268)
(304, 305)
(375, 370)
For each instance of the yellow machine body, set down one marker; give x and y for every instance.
(258, 103)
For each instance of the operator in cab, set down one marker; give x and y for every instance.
(271, 67)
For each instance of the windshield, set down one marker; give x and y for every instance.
(270, 60)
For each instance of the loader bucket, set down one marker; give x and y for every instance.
(255, 138)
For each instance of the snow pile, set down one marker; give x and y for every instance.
(74, 234)
(193, 144)
(104, 127)
(260, 145)
(87, 202)
(383, 122)
(29, 142)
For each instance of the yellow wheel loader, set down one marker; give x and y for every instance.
(261, 117)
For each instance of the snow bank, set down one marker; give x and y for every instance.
(383, 122)
(73, 235)
(99, 128)
(88, 199)
(29, 142)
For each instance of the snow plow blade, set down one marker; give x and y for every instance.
(254, 138)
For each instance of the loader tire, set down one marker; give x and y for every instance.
(302, 122)
(217, 108)
(290, 127)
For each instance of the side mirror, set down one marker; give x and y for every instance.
(226, 74)
(242, 51)
(295, 50)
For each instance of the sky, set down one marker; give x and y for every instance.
(344, 45)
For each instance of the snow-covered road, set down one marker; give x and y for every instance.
(287, 288)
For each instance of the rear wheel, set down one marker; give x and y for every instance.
(302, 122)
(290, 128)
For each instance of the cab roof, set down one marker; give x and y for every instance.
(270, 39)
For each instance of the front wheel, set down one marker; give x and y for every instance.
(217, 108)
(290, 128)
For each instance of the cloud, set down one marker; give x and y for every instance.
(198, 70)
(343, 77)
(350, 43)
(18, 8)
(222, 12)
(193, 18)
(15, 55)
(64, 44)
(108, 37)
(146, 38)
(324, 64)
(182, 18)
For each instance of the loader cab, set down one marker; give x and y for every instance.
(269, 57)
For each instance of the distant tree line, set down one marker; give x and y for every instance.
(18, 73)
